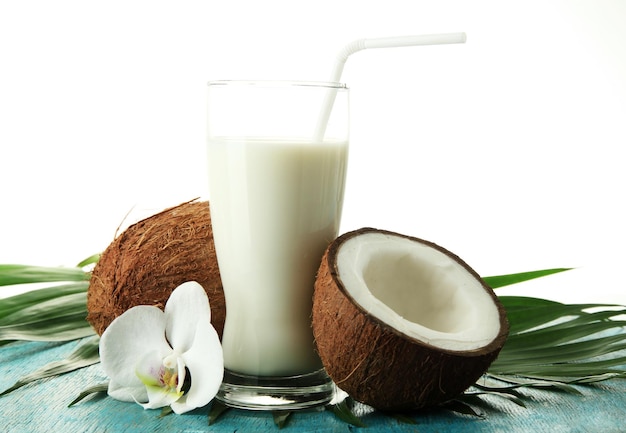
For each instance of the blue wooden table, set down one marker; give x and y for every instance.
(43, 407)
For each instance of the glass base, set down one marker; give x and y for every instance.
(276, 393)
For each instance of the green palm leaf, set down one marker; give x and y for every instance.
(25, 274)
(557, 345)
(55, 313)
(506, 280)
(33, 298)
(85, 354)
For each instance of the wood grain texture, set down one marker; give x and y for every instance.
(42, 407)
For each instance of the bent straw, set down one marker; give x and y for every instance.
(361, 44)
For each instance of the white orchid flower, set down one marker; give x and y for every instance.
(165, 358)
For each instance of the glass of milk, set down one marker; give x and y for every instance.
(275, 192)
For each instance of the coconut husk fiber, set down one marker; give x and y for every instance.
(147, 261)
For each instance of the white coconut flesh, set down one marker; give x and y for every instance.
(418, 290)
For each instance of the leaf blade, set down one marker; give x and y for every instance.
(11, 274)
(95, 389)
(91, 260)
(14, 303)
(217, 409)
(343, 411)
(281, 417)
(498, 281)
(59, 318)
(84, 355)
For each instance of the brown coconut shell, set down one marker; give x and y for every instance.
(376, 364)
(144, 264)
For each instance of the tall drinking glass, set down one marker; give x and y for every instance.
(276, 196)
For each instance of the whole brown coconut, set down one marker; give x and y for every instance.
(150, 259)
(401, 323)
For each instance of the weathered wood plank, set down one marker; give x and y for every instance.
(42, 407)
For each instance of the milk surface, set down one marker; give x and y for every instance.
(275, 207)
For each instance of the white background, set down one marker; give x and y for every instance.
(507, 150)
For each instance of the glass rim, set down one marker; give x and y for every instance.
(278, 83)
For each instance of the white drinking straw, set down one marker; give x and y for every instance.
(361, 44)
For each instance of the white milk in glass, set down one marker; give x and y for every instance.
(275, 207)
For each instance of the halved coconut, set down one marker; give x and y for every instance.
(401, 323)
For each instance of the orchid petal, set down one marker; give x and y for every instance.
(150, 369)
(125, 342)
(205, 361)
(187, 304)
(131, 394)
(182, 372)
(162, 382)
(159, 396)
